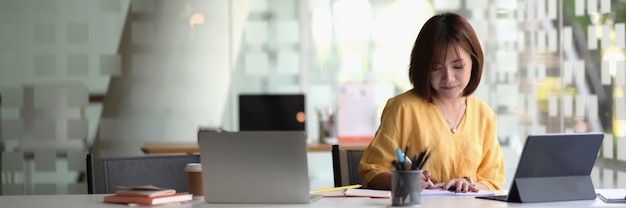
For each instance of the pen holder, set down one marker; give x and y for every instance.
(405, 188)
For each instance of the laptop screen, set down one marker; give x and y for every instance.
(550, 155)
(280, 112)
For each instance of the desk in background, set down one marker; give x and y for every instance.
(192, 147)
(95, 201)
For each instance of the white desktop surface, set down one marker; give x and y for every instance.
(95, 201)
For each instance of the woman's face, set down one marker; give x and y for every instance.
(450, 78)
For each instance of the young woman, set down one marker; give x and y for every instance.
(440, 114)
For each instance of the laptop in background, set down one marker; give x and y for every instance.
(554, 167)
(255, 167)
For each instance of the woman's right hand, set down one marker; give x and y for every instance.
(426, 179)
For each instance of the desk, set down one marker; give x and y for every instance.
(192, 147)
(95, 201)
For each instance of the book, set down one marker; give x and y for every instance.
(146, 190)
(148, 201)
(442, 192)
(612, 195)
(358, 193)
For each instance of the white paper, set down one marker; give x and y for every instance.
(567, 72)
(619, 35)
(592, 101)
(606, 36)
(580, 105)
(580, 7)
(357, 110)
(592, 40)
(567, 38)
(605, 73)
(615, 194)
(567, 105)
(580, 72)
(620, 105)
(441, 192)
(552, 105)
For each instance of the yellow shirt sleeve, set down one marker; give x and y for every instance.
(472, 151)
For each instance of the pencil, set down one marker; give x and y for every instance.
(335, 189)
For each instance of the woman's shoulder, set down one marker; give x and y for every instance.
(407, 98)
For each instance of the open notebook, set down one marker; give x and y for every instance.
(442, 192)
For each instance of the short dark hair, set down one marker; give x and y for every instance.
(431, 45)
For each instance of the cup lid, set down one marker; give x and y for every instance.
(193, 167)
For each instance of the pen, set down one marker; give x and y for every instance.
(335, 188)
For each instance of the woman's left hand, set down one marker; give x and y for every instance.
(461, 185)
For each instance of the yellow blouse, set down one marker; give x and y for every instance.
(472, 151)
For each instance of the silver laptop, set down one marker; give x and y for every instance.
(255, 167)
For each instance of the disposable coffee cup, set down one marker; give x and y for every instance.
(194, 178)
(405, 188)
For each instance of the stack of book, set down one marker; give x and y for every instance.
(147, 196)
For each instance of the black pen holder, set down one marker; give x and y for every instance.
(405, 188)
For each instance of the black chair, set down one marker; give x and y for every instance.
(346, 166)
(104, 175)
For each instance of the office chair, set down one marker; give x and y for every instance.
(104, 175)
(346, 166)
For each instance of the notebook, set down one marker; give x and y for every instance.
(554, 167)
(266, 167)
